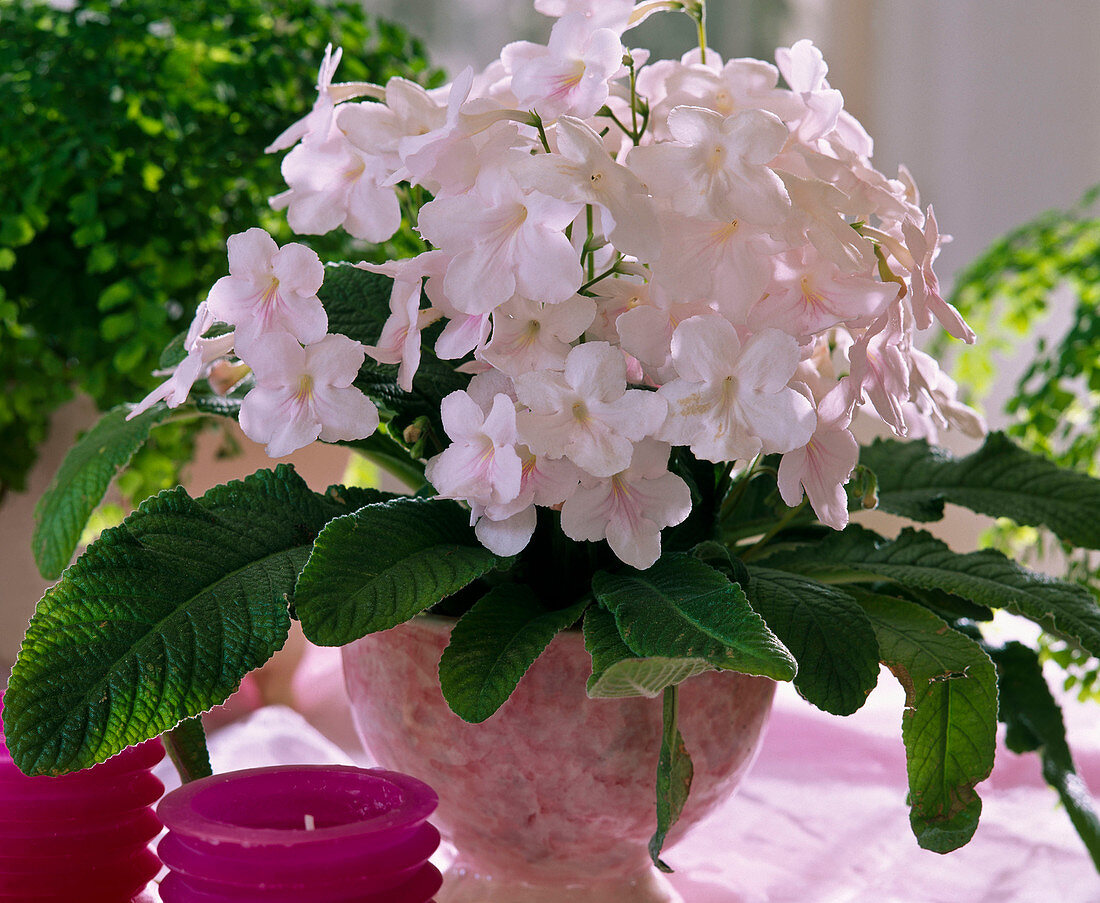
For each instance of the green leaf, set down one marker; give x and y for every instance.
(826, 631)
(950, 721)
(160, 619)
(681, 608)
(674, 776)
(617, 672)
(494, 644)
(80, 484)
(357, 303)
(1034, 722)
(385, 563)
(186, 747)
(918, 559)
(1000, 479)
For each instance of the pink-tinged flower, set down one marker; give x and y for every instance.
(804, 68)
(399, 342)
(630, 508)
(480, 465)
(316, 125)
(819, 210)
(718, 165)
(570, 74)
(646, 330)
(741, 84)
(201, 353)
(924, 246)
(879, 371)
(302, 394)
(809, 293)
(614, 297)
(335, 184)
(503, 242)
(614, 14)
(530, 336)
(729, 261)
(586, 413)
(269, 289)
(378, 129)
(506, 529)
(732, 400)
(583, 172)
(935, 395)
(824, 464)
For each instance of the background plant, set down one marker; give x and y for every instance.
(132, 150)
(1054, 407)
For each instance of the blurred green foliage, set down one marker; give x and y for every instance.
(1055, 404)
(131, 148)
(1004, 293)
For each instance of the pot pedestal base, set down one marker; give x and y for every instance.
(463, 884)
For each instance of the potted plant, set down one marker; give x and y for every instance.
(619, 379)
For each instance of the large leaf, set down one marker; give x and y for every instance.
(617, 672)
(674, 776)
(950, 721)
(918, 559)
(160, 619)
(494, 644)
(826, 631)
(385, 563)
(999, 479)
(357, 303)
(682, 608)
(63, 511)
(1035, 723)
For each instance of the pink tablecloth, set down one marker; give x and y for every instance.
(820, 819)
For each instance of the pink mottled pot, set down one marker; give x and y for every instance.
(551, 799)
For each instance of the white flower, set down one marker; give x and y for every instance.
(630, 508)
(200, 354)
(269, 289)
(503, 241)
(481, 465)
(302, 394)
(568, 76)
(583, 172)
(585, 412)
(718, 165)
(732, 400)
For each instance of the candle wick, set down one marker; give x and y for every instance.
(310, 826)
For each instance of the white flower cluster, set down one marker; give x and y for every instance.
(634, 257)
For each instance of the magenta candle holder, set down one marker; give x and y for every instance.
(82, 836)
(300, 834)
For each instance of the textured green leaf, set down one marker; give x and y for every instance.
(674, 776)
(160, 619)
(826, 631)
(683, 608)
(1035, 723)
(186, 747)
(950, 721)
(617, 672)
(918, 559)
(357, 303)
(1000, 479)
(385, 563)
(63, 511)
(494, 644)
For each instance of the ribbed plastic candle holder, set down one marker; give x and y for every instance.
(300, 834)
(83, 836)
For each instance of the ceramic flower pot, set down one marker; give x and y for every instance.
(551, 799)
